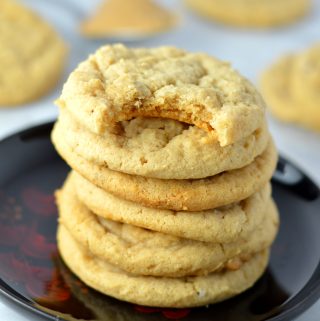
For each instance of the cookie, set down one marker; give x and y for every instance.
(185, 195)
(159, 148)
(158, 291)
(32, 55)
(126, 18)
(222, 225)
(251, 13)
(117, 84)
(132, 248)
(291, 88)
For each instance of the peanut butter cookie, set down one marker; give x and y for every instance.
(159, 148)
(292, 86)
(32, 55)
(251, 13)
(117, 84)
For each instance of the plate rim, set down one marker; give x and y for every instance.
(294, 308)
(9, 293)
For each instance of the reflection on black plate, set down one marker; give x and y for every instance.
(33, 276)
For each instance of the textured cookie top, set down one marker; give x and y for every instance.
(31, 54)
(118, 83)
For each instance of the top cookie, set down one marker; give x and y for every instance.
(118, 83)
(32, 55)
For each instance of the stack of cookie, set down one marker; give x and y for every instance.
(169, 201)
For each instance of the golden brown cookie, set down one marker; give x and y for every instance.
(127, 19)
(118, 83)
(291, 87)
(251, 13)
(32, 55)
(185, 195)
(158, 291)
(222, 225)
(159, 148)
(145, 252)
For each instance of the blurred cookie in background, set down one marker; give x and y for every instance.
(32, 55)
(128, 19)
(292, 88)
(251, 13)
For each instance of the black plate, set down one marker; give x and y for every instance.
(33, 277)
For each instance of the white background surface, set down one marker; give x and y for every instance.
(250, 51)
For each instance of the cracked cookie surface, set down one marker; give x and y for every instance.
(118, 83)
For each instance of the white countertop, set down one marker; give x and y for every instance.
(249, 51)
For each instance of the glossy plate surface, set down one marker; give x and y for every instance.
(33, 277)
